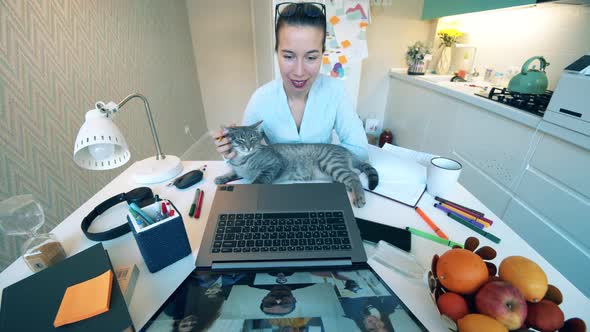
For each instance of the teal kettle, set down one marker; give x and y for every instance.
(530, 81)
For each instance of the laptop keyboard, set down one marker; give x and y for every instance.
(281, 232)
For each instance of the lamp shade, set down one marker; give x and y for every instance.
(100, 145)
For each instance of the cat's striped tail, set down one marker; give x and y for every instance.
(371, 173)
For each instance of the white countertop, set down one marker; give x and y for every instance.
(461, 91)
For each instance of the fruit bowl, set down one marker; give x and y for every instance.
(472, 294)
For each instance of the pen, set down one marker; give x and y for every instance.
(472, 211)
(471, 221)
(483, 221)
(191, 213)
(431, 224)
(199, 204)
(491, 237)
(434, 238)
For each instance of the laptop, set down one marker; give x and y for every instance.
(259, 226)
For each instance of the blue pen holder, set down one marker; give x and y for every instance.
(163, 242)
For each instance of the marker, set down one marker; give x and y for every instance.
(491, 237)
(471, 221)
(199, 204)
(431, 224)
(467, 215)
(434, 238)
(472, 211)
(139, 211)
(164, 210)
(137, 217)
(191, 213)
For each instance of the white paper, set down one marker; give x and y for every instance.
(401, 178)
(421, 158)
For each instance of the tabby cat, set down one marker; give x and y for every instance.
(294, 162)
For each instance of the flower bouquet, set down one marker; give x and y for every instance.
(448, 37)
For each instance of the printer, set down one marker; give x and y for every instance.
(569, 106)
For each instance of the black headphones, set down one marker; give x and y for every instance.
(139, 196)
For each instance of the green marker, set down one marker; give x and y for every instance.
(434, 238)
(475, 229)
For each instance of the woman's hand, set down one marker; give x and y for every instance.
(223, 143)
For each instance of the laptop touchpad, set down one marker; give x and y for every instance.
(297, 198)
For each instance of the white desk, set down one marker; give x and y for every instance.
(153, 289)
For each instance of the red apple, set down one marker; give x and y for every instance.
(545, 316)
(452, 305)
(503, 302)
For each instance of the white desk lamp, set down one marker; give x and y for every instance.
(101, 146)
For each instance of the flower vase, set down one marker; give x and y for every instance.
(416, 67)
(444, 62)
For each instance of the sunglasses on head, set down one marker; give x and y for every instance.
(310, 9)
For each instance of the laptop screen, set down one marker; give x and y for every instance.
(336, 300)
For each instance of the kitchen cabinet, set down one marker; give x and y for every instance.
(424, 120)
(439, 8)
(541, 234)
(536, 182)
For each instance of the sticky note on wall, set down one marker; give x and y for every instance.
(326, 60)
(334, 20)
(345, 43)
(363, 24)
(342, 59)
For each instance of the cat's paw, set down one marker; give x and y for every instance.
(358, 199)
(220, 180)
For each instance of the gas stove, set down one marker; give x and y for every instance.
(532, 103)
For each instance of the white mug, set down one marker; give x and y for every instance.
(442, 175)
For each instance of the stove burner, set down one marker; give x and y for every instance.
(532, 103)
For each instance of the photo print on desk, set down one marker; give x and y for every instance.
(352, 300)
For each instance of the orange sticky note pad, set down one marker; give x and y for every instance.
(342, 59)
(345, 43)
(363, 24)
(326, 60)
(84, 300)
(334, 20)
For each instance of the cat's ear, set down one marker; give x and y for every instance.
(257, 126)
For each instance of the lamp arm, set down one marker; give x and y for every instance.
(159, 154)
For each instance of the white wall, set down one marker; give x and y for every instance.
(262, 24)
(393, 28)
(223, 46)
(558, 32)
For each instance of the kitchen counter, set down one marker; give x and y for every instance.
(462, 92)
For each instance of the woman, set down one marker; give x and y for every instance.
(303, 106)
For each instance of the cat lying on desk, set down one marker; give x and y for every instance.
(294, 162)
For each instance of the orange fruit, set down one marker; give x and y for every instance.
(480, 323)
(452, 305)
(461, 271)
(525, 275)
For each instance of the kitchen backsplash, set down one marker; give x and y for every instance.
(507, 38)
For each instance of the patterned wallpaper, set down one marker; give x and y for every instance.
(57, 58)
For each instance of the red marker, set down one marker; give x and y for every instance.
(200, 204)
(164, 209)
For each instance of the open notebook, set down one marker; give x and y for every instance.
(402, 173)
